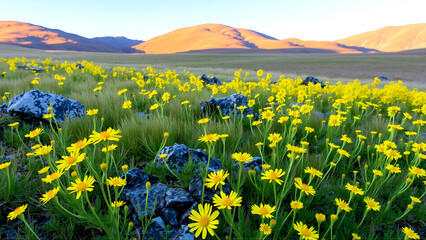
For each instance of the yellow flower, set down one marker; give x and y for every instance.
(314, 172)
(52, 177)
(393, 169)
(49, 195)
(48, 116)
(216, 178)
(154, 106)
(127, 105)
(92, 112)
(209, 138)
(346, 139)
(371, 204)
(354, 189)
(417, 171)
(342, 204)
(274, 137)
(68, 161)
(265, 228)
(416, 200)
(204, 220)
(309, 129)
(259, 72)
(392, 154)
(77, 146)
(110, 134)
(203, 121)
(18, 211)
(305, 232)
(334, 217)
(97, 89)
(225, 201)
(268, 115)
(320, 217)
(242, 157)
(110, 148)
(410, 233)
(81, 186)
(115, 182)
(5, 165)
(117, 204)
(13, 124)
(42, 151)
(122, 91)
(334, 121)
(34, 133)
(356, 236)
(308, 190)
(263, 210)
(273, 175)
(343, 152)
(296, 205)
(43, 170)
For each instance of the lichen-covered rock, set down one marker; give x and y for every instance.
(227, 105)
(206, 80)
(182, 233)
(34, 104)
(313, 80)
(178, 155)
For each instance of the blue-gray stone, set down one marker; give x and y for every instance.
(313, 80)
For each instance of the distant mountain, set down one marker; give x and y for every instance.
(217, 36)
(119, 42)
(390, 39)
(33, 36)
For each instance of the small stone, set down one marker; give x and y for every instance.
(206, 80)
(313, 80)
(170, 216)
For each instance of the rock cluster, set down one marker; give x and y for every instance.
(34, 104)
(207, 80)
(313, 80)
(32, 68)
(227, 105)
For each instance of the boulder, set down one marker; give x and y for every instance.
(313, 80)
(34, 104)
(137, 177)
(227, 105)
(79, 66)
(206, 80)
(32, 68)
(170, 216)
(3, 107)
(178, 155)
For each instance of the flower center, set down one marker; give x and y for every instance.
(305, 232)
(227, 201)
(217, 179)
(70, 160)
(81, 186)
(204, 221)
(263, 211)
(79, 144)
(273, 175)
(105, 134)
(304, 187)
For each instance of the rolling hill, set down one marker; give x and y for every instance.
(217, 36)
(390, 39)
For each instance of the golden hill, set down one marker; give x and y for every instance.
(217, 36)
(390, 39)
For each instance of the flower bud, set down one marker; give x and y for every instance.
(125, 167)
(73, 174)
(148, 185)
(103, 166)
(166, 134)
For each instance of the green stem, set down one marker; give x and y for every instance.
(22, 218)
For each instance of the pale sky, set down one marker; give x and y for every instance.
(145, 19)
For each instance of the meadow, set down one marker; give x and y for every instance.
(341, 162)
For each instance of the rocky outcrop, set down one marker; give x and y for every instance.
(313, 80)
(212, 81)
(34, 104)
(227, 105)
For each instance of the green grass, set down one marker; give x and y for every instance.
(143, 137)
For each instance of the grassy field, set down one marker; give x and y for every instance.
(346, 161)
(408, 67)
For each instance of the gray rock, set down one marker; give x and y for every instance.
(196, 189)
(3, 107)
(182, 233)
(136, 196)
(34, 104)
(383, 78)
(206, 80)
(184, 218)
(227, 105)
(313, 80)
(178, 155)
(136, 177)
(79, 66)
(178, 199)
(143, 115)
(32, 68)
(255, 163)
(170, 216)
(421, 138)
(156, 229)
